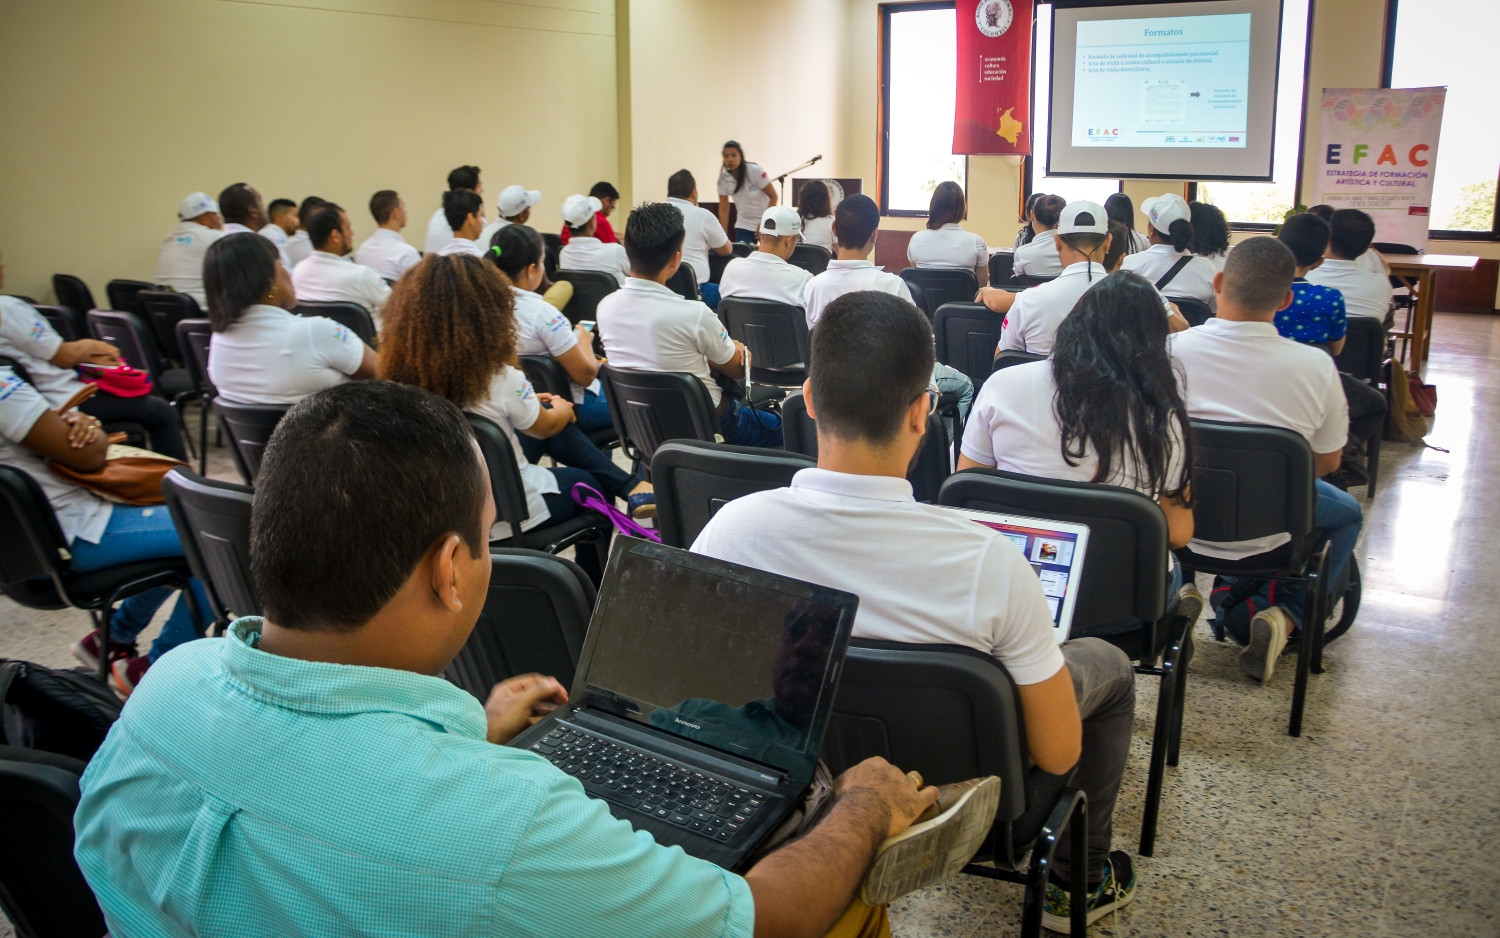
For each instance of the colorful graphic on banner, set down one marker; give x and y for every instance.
(1377, 152)
(992, 100)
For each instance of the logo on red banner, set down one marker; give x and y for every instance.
(993, 17)
(992, 97)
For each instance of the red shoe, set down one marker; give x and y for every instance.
(126, 674)
(86, 650)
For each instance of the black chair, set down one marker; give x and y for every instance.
(1196, 312)
(1122, 593)
(125, 295)
(776, 335)
(967, 335)
(193, 339)
(73, 293)
(164, 310)
(1002, 265)
(651, 407)
(952, 713)
(587, 528)
(918, 297)
(65, 320)
(42, 891)
(248, 429)
(213, 524)
(1391, 247)
(742, 249)
(1007, 357)
(552, 247)
(684, 283)
(1028, 280)
(127, 331)
(535, 617)
(812, 258)
(352, 316)
(716, 265)
(35, 564)
(1363, 358)
(694, 479)
(546, 374)
(589, 287)
(941, 285)
(799, 433)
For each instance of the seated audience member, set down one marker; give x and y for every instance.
(608, 197)
(1028, 231)
(1366, 291)
(647, 327)
(261, 353)
(451, 328)
(584, 251)
(926, 575)
(1210, 233)
(1119, 246)
(98, 532)
(283, 224)
(464, 211)
(330, 275)
(179, 261)
(386, 251)
(765, 274)
(337, 689)
(243, 212)
(513, 207)
(1038, 256)
(1321, 210)
(749, 187)
(816, 208)
(1168, 263)
(299, 245)
(1120, 209)
(943, 244)
(701, 233)
(1236, 368)
(439, 230)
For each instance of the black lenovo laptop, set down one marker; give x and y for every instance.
(701, 697)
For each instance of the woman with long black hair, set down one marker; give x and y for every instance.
(1119, 208)
(749, 187)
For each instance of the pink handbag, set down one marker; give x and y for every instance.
(119, 381)
(589, 498)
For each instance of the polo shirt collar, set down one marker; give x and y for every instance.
(1081, 269)
(766, 257)
(849, 485)
(330, 256)
(852, 265)
(1237, 328)
(319, 687)
(676, 201)
(1337, 263)
(1166, 249)
(262, 310)
(642, 285)
(951, 226)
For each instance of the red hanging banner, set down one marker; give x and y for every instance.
(992, 100)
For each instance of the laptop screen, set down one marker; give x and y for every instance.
(737, 659)
(1055, 551)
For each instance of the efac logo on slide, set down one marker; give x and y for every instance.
(993, 17)
(1104, 131)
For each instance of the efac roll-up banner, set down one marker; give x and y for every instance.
(992, 100)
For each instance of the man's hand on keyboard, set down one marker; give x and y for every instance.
(515, 701)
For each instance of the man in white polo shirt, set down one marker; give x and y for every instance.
(385, 251)
(513, 208)
(925, 575)
(464, 211)
(243, 211)
(766, 275)
(647, 327)
(701, 233)
(439, 231)
(328, 275)
(1237, 368)
(584, 251)
(282, 225)
(1039, 257)
(179, 261)
(1367, 292)
(298, 244)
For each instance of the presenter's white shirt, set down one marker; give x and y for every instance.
(1031, 325)
(438, 233)
(80, 513)
(179, 260)
(701, 234)
(387, 253)
(298, 246)
(512, 403)
(27, 337)
(818, 231)
(948, 246)
(329, 278)
(1195, 280)
(848, 277)
(1245, 372)
(750, 200)
(647, 327)
(593, 254)
(460, 246)
(234, 227)
(764, 276)
(542, 330)
(1366, 293)
(270, 356)
(1039, 258)
(923, 574)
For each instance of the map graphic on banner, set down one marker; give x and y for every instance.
(1377, 150)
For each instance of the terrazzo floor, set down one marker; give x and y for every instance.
(1374, 822)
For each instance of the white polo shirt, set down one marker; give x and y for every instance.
(923, 574)
(1366, 293)
(27, 337)
(234, 227)
(179, 260)
(512, 403)
(274, 233)
(438, 232)
(80, 513)
(329, 278)
(764, 276)
(461, 246)
(818, 231)
(489, 232)
(647, 327)
(592, 254)
(1195, 280)
(1372, 262)
(270, 356)
(541, 329)
(298, 246)
(750, 200)
(1039, 258)
(848, 277)
(1031, 325)
(701, 234)
(1245, 372)
(387, 253)
(948, 246)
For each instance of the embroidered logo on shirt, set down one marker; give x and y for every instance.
(39, 328)
(525, 392)
(340, 333)
(9, 385)
(557, 322)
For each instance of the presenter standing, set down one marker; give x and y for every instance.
(749, 187)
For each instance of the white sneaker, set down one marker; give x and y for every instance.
(933, 851)
(1190, 603)
(1269, 631)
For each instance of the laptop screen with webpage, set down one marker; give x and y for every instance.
(1055, 551)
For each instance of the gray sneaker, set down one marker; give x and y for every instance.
(935, 848)
(1268, 636)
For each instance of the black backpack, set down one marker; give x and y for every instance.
(68, 712)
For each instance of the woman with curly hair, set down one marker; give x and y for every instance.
(1210, 233)
(450, 327)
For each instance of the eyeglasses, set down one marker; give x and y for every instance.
(933, 394)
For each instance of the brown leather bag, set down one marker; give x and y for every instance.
(130, 476)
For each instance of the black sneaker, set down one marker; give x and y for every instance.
(1116, 891)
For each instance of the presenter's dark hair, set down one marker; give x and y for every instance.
(327, 552)
(1350, 233)
(814, 201)
(236, 201)
(323, 223)
(520, 247)
(739, 171)
(1117, 393)
(680, 184)
(1257, 274)
(603, 190)
(1210, 229)
(1119, 208)
(947, 205)
(653, 233)
(238, 272)
(1048, 210)
(459, 204)
(383, 203)
(872, 356)
(855, 221)
(1306, 236)
(464, 177)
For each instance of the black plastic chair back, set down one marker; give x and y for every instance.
(31, 540)
(589, 287)
(213, 524)
(65, 321)
(1030, 280)
(505, 473)
(164, 310)
(1196, 312)
(742, 249)
(651, 407)
(546, 374)
(351, 316)
(799, 433)
(127, 332)
(1251, 482)
(1363, 355)
(776, 335)
(1010, 356)
(126, 295)
(967, 335)
(693, 480)
(552, 247)
(941, 285)
(1391, 247)
(73, 293)
(716, 265)
(42, 891)
(1002, 265)
(918, 298)
(684, 283)
(248, 428)
(194, 336)
(812, 258)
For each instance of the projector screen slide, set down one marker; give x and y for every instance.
(1172, 90)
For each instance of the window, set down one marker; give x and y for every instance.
(1452, 43)
(917, 79)
(1037, 180)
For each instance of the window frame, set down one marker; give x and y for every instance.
(883, 113)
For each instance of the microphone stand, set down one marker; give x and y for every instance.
(782, 178)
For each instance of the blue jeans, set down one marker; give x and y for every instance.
(572, 449)
(743, 425)
(746, 236)
(593, 413)
(709, 292)
(135, 534)
(1338, 514)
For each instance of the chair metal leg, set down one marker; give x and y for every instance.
(1372, 461)
(1071, 810)
(101, 630)
(1312, 615)
(1180, 704)
(1161, 740)
(203, 437)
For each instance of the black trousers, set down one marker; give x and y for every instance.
(150, 411)
(1366, 409)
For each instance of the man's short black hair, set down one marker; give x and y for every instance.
(358, 482)
(871, 356)
(603, 190)
(1257, 274)
(653, 233)
(1350, 233)
(236, 201)
(681, 185)
(1322, 210)
(278, 207)
(855, 221)
(465, 177)
(459, 204)
(309, 205)
(325, 220)
(383, 203)
(1306, 235)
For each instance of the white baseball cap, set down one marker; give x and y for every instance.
(1164, 209)
(780, 220)
(1083, 217)
(196, 204)
(514, 200)
(578, 209)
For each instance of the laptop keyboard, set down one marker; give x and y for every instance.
(637, 780)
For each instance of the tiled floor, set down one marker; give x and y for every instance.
(1375, 821)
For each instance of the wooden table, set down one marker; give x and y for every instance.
(1419, 273)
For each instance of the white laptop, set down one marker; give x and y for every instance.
(1055, 550)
